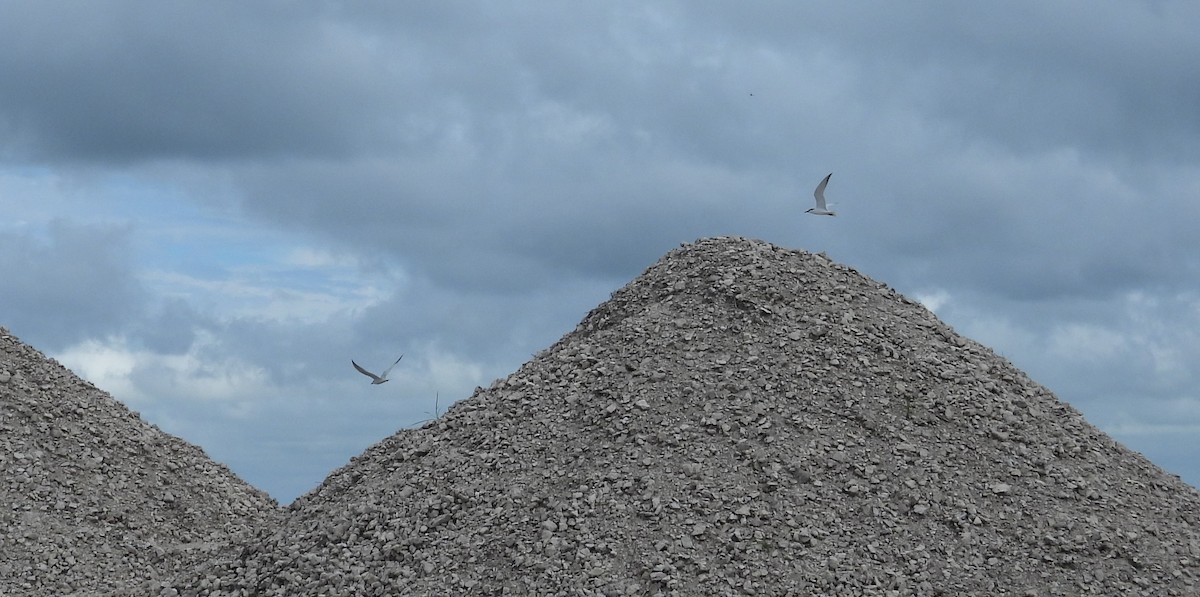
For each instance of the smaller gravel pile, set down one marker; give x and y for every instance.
(92, 498)
(740, 420)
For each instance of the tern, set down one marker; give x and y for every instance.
(376, 379)
(820, 209)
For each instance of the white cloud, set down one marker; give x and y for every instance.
(317, 259)
(933, 300)
(140, 378)
(1085, 342)
(106, 363)
(277, 292)
(1168, 327)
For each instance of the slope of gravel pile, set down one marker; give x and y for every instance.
(92, 498)
(740, 420)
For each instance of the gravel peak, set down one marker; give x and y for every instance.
(92, 498)
(740, 419)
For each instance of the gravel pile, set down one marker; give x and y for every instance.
(741, 419)
(92, 498)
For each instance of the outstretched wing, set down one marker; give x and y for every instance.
(820, 192)
(389, 369)
(364, 371)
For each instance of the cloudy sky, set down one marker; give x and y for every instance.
(208, 208)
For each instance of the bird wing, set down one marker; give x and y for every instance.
(364, 371)
(389, 369)
(820, 192)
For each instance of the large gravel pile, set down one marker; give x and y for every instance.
(92, 497)
(741, 419)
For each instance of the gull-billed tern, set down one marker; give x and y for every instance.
(376, 379)
(820, 209)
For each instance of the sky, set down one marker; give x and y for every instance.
(208, 209)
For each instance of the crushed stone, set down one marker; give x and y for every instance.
(741, 419)
(93, 498)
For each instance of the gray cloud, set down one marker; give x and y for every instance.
(1026, 75)
(172, 330)
(502, 168)
(127, 82)
(75, 284)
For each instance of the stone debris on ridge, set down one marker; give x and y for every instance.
(92, 498)
(741, 419)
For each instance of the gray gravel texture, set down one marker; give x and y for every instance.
(93, 498)
(741, 419)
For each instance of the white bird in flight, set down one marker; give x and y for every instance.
(376, 379)
(820, 209)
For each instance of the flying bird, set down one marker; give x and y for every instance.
(820, 209)
(376, 379)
